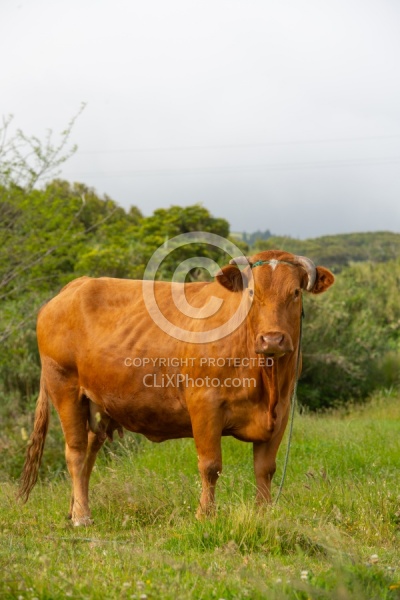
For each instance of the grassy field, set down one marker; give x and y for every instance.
(335, 532)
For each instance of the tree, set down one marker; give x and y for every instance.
(44, 232)
(165, 224)
(27, 160)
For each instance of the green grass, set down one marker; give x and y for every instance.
(335, 532)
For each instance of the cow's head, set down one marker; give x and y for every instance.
(274, 281)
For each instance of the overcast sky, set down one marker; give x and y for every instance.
(280, 115)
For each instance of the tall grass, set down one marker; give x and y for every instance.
(335, 532)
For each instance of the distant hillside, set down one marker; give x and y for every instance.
(251, 238)
(338, 251)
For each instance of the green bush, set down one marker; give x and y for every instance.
(352, 336)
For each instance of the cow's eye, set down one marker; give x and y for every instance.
(251, 293)
(296, 293)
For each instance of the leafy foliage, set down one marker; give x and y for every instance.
(165, 224)
(352, 336)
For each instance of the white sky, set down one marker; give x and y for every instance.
(274, 115)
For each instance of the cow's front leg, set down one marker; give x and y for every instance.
(264, 454)
(264, 469)
(207, 437)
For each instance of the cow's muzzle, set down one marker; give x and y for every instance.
(273, 343)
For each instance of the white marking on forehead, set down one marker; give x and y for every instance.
(273, 263)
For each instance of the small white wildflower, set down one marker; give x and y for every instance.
(304, 575)
(373, 559)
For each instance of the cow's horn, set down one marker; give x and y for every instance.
(310, 268)
(240, 260)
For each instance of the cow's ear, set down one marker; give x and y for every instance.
(231, 277)
(323, 281)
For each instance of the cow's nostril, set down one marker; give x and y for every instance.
(274, 342)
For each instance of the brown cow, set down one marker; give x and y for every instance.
(106, 365)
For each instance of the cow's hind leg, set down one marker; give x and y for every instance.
(74, 419)
(94, 443)
(98, 427)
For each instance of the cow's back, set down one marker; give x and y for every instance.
(85, 311)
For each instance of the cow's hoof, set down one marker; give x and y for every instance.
(200, 514)
(82, 521)
(205, 513)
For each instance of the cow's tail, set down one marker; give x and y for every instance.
(35, 445)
